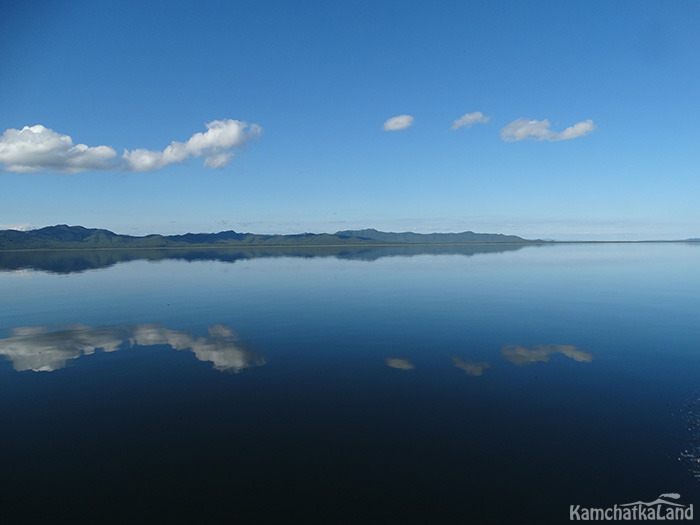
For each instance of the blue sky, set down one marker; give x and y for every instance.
(270, 117)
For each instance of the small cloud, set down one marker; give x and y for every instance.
(538, 130)
(37, 148)
(18, 227)
(401, 364)
(397, 123)
(468, 119)
(472, 369)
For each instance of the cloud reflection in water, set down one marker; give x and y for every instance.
(521, 356)
(472, 369)
(41, 350)
(401, 364)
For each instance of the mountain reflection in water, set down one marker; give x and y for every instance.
(41, 350)
(441, 387)
(76, 261)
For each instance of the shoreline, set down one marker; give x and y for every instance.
(349, 245)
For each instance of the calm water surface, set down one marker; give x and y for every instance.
(474, 384)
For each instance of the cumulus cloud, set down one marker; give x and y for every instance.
(468, 119)
(37, 148)
(521, 356)
(401, 364)
(397, 123)
(40, 350)
(523, 128)
(472, 369)
(214, 145)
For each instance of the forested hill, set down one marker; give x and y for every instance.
(63, 236)
(430, 238)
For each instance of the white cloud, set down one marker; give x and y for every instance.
(19, 227)
(468, 119)
(523, 128)
(218, 160)
(37, 148)
(214, 145)
(397, 123)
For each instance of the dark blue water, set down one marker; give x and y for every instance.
(470, 384)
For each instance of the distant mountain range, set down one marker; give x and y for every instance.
(63, 236)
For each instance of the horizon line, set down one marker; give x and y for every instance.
(524, 240)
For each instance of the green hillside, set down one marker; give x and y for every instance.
(430, 238)
(79, 237)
